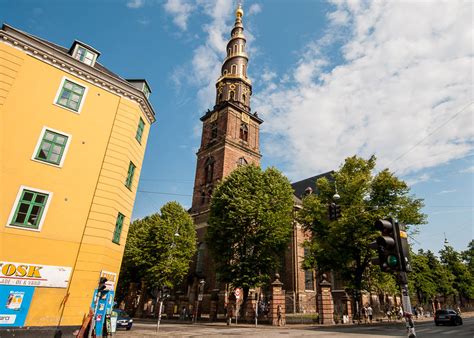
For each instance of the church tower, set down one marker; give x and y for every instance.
(230, 138)
(230, 134)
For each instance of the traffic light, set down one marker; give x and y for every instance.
(102, 286)
(334, 211)
(387, 246)
(404, 248)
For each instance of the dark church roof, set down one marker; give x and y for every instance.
(301, 186)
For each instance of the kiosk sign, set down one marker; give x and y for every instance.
(26, 274)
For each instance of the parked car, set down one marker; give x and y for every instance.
(447, 316)
(123, 319)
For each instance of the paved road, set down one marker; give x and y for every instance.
(423, 329)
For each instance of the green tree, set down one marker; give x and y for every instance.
(468, 257)
(423, 278)
(443, 278)
(343, 245)
(463, 282)
(249, 225)
(159, 248)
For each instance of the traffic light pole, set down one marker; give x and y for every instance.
(407, 309)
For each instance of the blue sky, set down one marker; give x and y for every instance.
(330, 80)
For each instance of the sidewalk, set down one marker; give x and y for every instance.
(243, 324)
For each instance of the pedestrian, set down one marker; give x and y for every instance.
(421, 311)
(183, 313)
(415, 312)
(364, 313)
(279, 315)
(389, 315)
(370, 312)
(458, 310)
(400, 313)
(229, 314)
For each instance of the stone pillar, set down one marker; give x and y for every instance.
(213, 305)
(325, 303)
(277, 306)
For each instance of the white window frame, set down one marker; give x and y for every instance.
(38, 144)
(59, 93)
(15, 204)
(75, 51)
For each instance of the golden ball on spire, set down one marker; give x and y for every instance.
(239, 13)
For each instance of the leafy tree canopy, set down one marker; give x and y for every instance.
(159, 248)
(343, 245)
(463, 279)
(249, 225)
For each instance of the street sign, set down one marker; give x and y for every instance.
(238, 293)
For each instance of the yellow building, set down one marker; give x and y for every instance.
(72, 137)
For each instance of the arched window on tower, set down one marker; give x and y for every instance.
(225, 71)
(233, 69)
(244, 71)
(232, 95)
(244, 98)
(203, 197)
(236, 48)
(244, 132)
(229, 51)
(209, 170)
(242, 161)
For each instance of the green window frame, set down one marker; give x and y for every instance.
(131, 172)
(52, 147)
(118, 228)
(71, 95)
(141, 127)
(30, 209)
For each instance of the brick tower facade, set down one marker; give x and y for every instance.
(230, 138)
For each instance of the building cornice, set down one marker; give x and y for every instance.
(57, 58)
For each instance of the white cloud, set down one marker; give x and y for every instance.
(407, 72)
(468, 170)
(419, 179)
(254, 9)
(208, 56)
(180, 10)
(446, 192)
(144, 21)
(135, 3)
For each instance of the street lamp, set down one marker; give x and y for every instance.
(202, 282)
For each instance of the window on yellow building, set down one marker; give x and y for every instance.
(131, 172)
(71, 95)
(30, 209)
(52, 147)
(118, 228)
(85, 55)
(140, 128)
